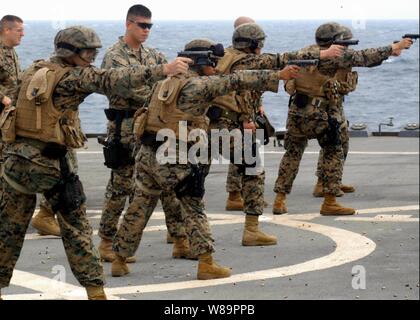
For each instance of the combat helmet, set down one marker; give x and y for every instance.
(73, 40)
(212, 52)
(347, 33)
(327, 33)
(248, 35)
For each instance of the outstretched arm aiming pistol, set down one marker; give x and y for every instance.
(303, 63)
(412, 36)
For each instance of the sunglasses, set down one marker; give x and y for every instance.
(143, 25)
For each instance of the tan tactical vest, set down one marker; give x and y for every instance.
(348, 81)
(311, 82)
(224, 66)
(37, 117)
(163, 111)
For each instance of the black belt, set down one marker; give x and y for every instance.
(302, 100)
(114, 114)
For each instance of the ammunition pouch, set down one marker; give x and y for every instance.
(193, 185)
(69, 190)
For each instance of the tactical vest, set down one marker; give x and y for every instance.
(163, 111)
(311, 82)
(232, 56)
(37, 117)
(348, 81)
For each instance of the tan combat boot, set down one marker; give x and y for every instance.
(182, 249)
(280, 206)
(253, 236)
(45, 223)
(332, 208)
(208, 269)
(107, 255)
(96, 293)
(235, 202)
(119, 267)
(347, 188)
(169, 239)
(319, 191)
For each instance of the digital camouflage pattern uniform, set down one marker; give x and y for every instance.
(152, 178)
(234, 178)
(253, 185)
(120, 186)
(311, 122)
(24, 165)
(9, 77)
(347, 84)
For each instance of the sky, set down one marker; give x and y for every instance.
(215, 9)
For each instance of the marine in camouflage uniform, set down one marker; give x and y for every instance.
(9, 75)
(30, 167)
(316, 112)
(348, 80)
(247, 40)
(121, 184)
(192, 98)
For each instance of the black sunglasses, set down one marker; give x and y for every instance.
(143, 25)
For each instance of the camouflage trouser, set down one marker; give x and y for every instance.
(152, 180)
(16, 210)
(300, 130)
(120, 187)
(44, 204)
(345, 143)
(234, 180)
(252, 185)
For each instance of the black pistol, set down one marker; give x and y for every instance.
(346, 43)
(412, 36)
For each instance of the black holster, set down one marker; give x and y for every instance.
(70, 191)
(300, 100)
(116, 154)
(214, 114)
(332, 135)
(193, 185)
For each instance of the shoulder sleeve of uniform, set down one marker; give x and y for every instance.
(158, 56)
(120, 81)
(205, 89)
(363, 58)
(114, 58)
(264, 61)
(308, 53)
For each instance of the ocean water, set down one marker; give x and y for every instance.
(391, 90)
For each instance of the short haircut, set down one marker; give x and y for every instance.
(7, 20)
(139, 10)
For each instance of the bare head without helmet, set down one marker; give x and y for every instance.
(138, 25)
(11, 31)
(242, 20)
